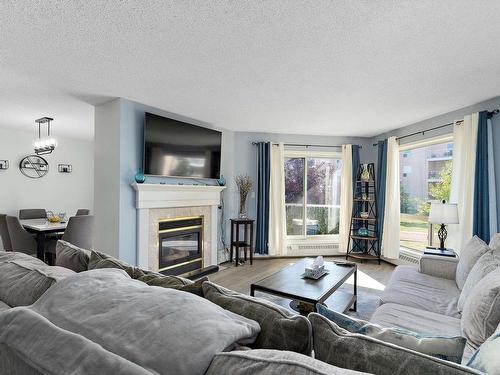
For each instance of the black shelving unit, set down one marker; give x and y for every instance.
(363, 241)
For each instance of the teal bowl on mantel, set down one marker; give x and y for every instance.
(140, 178)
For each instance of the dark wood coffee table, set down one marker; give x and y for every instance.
(306, 293)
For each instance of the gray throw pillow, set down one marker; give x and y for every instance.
(71, 256)
(469, 255)
(495, 242)
(447, 348)
(481, 313)
(488, 262)
(266, 361)
(354, 351)
(174, 282)
(101, 260)
(280, 329)
(23, 278)
(487, 358)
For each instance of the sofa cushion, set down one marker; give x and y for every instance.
(469, 255)
(102, 260)
(495, 242)
(174, 282)
(488, 262)
(23, 278)
(4, 306)
(447, 348)
(71, 256)
(416, 320)
(43, 349)
(339, 347)
(481, 314)
(159, 329)
(280, 329)
(409, 287)
(487, 358)
(266, 361)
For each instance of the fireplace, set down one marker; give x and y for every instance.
(180, 242)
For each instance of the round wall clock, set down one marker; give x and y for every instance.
(33, 166)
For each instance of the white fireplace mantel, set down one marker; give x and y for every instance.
(162, 196)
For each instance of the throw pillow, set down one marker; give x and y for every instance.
(71, 256)
(341, 348)
(174, 282)
(280, 329)
(469, 255)
(481, 313)
(102, 260)
(487, 358)
(447, 348)
(23, 278)
(495, 242)
(490, 261)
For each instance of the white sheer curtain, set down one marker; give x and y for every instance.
(277, 214)
(392, 211)
(346, 193)
(462, 180)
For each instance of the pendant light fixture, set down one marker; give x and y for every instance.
(47, 144)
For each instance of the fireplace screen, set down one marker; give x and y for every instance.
(180, 245)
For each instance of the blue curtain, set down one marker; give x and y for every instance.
(355, 166)
(263, 183)
(381, 175)
(481, 218)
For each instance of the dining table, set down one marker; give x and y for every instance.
(41, 228)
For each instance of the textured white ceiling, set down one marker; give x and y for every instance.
(312, 67)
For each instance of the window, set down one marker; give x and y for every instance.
(425, 177)
(312, 193)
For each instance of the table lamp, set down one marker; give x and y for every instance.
(443, 213)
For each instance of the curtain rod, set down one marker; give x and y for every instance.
(490, 115)
(301, 145)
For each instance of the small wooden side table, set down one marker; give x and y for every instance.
(246, 242)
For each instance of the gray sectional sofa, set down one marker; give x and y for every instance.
(447, 296)
(93, 314)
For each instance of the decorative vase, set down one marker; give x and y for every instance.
(243, 207)
(363, 232)
(221, 181)
(139, 177)
(365, 175)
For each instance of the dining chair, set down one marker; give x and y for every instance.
(4, 233)
(82, 211)
(32, 213)
(20, 239)
(80, 231)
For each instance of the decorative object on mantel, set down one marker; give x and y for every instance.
(221, 181)
(65, 168)
(44, 145)
(34, 166)
(244, 184)
(139, 177)
(4, 164)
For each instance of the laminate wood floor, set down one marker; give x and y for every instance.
(372, 279)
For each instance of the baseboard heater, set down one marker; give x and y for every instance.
(198, 273)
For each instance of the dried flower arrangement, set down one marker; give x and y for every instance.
(244, 184)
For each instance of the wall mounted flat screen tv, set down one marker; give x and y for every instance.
(178, 149)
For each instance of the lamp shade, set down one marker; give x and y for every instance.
(443, 213)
